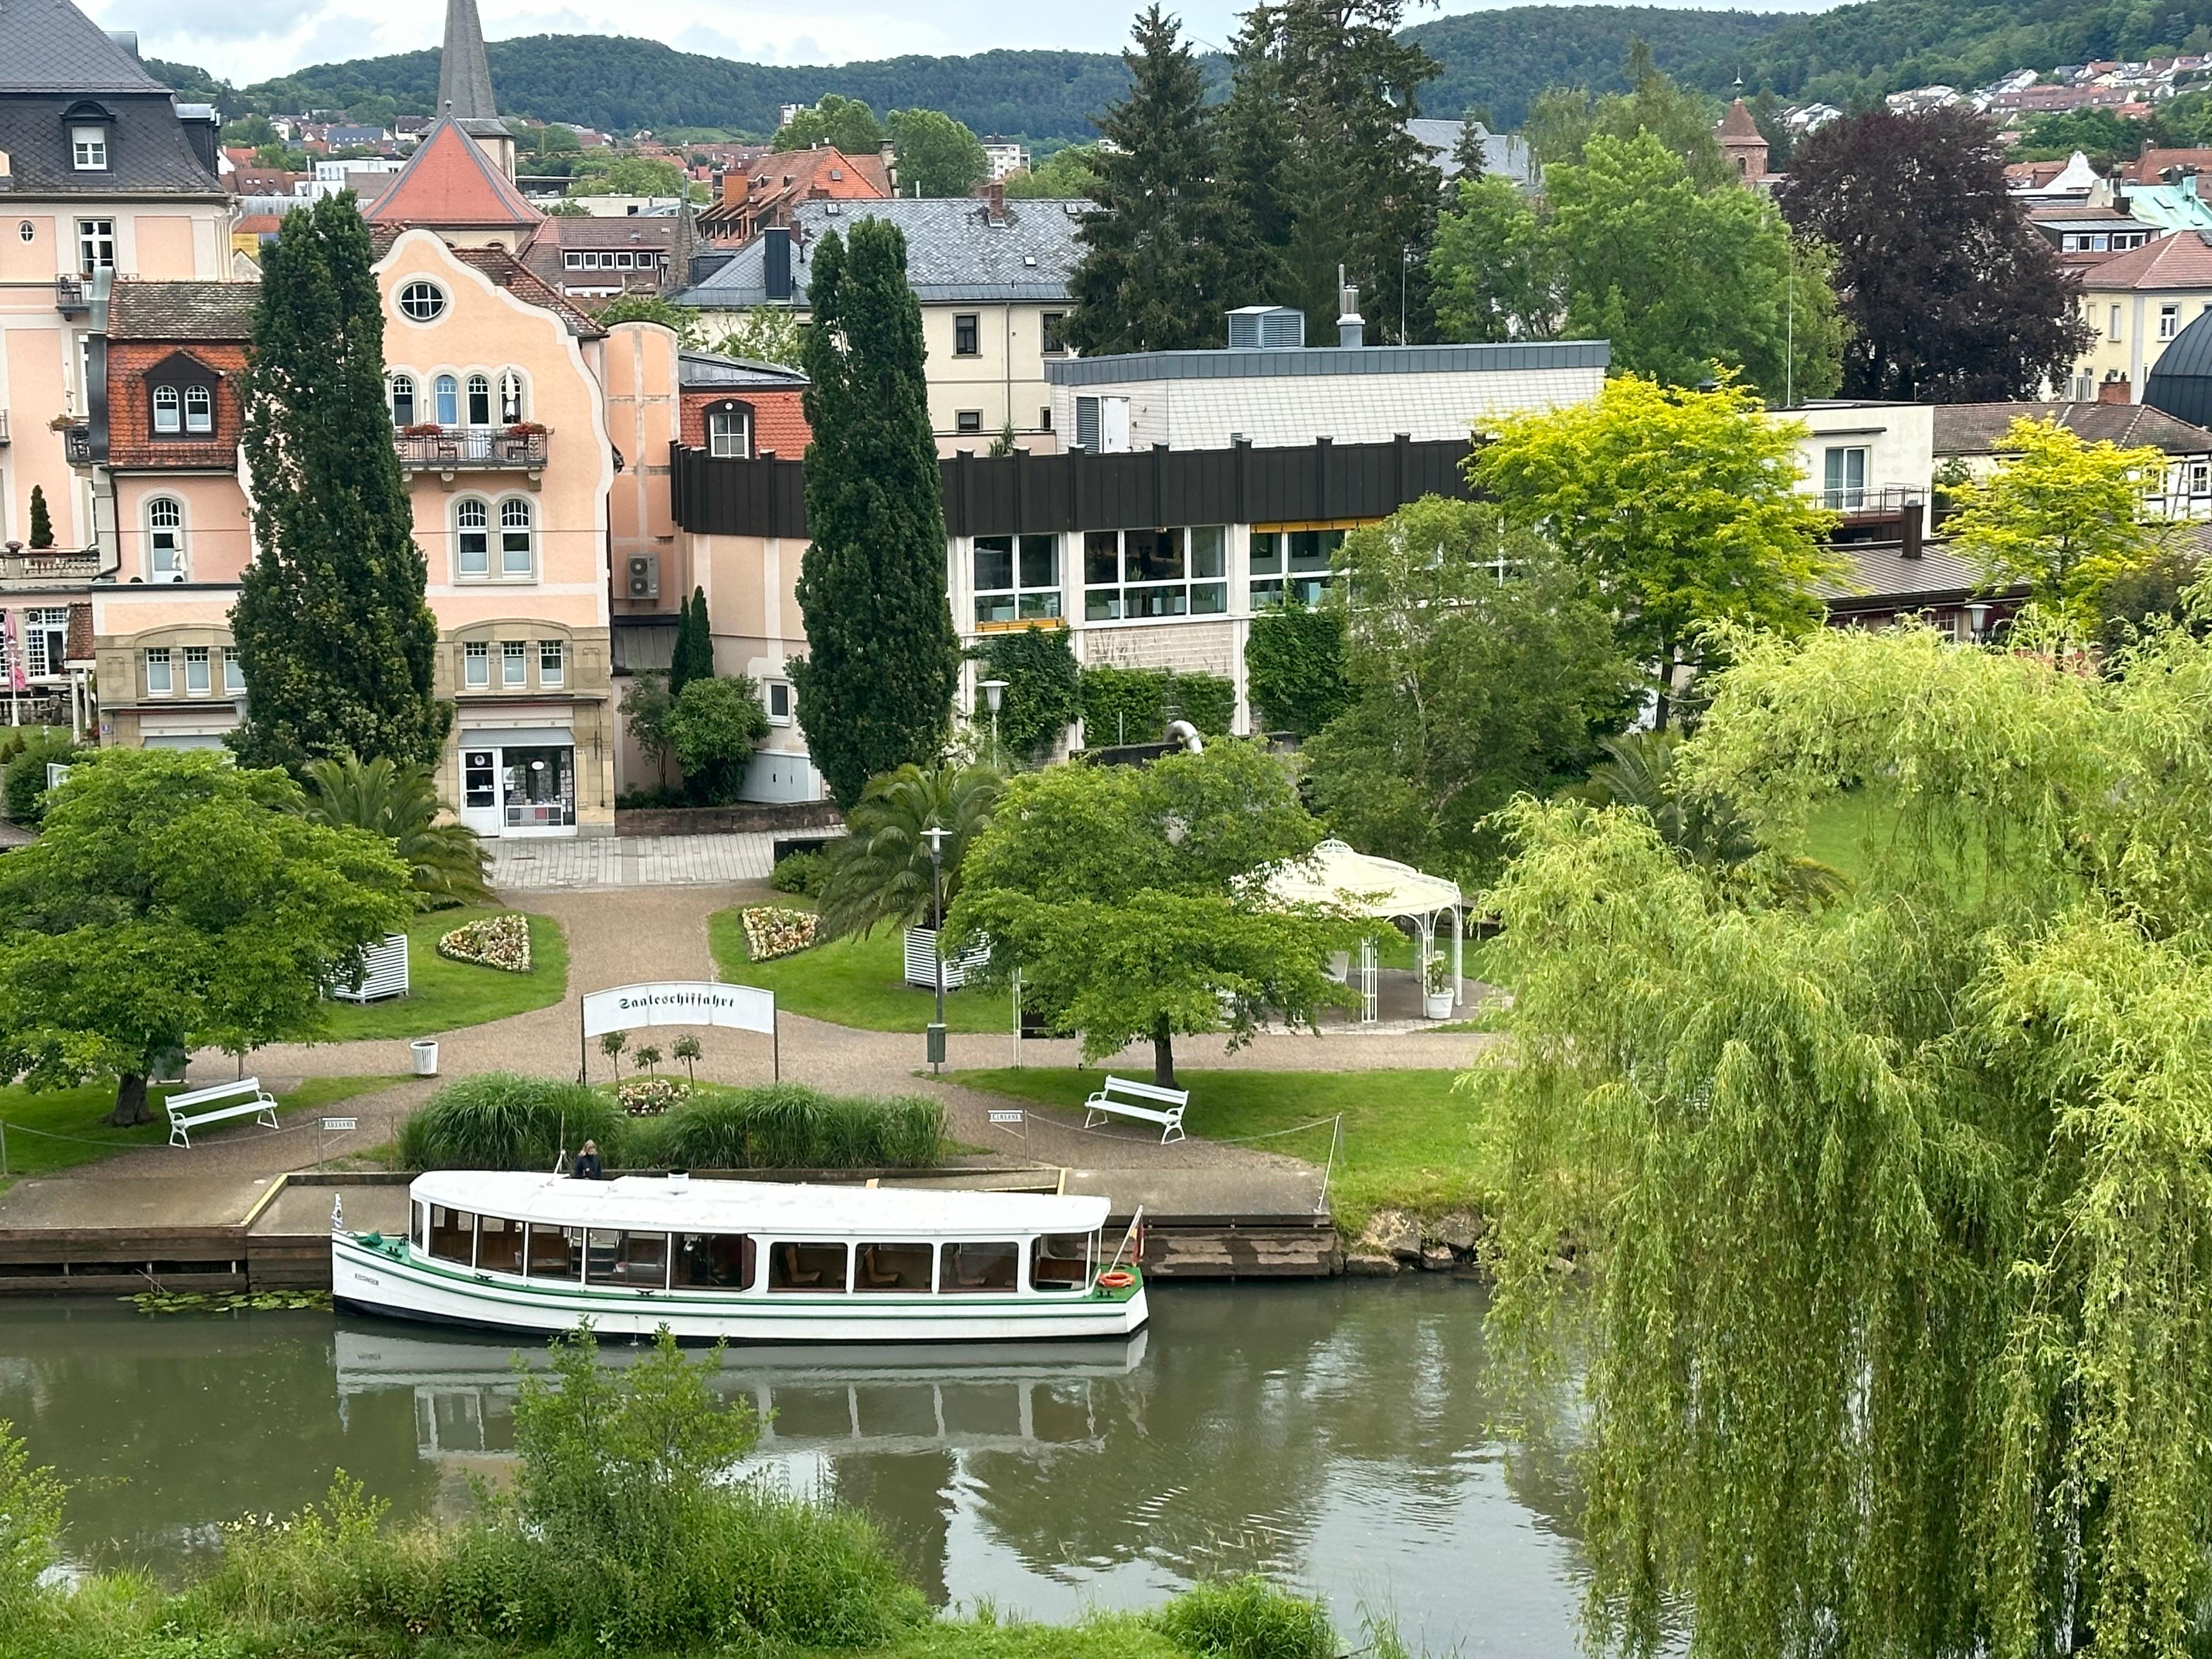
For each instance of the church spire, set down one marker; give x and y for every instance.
(464, 78)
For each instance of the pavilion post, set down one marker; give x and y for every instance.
(1459, 984)
(1367, 995)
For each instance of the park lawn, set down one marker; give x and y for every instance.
(1105, 1636)
(853, 981)
(447, 995)
(1408, 1135)
(31, 1119)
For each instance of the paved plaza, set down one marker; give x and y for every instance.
(529, 866)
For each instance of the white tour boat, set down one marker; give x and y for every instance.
(751, 1261)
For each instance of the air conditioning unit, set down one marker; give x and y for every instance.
(645, 577)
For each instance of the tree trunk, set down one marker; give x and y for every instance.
(130, 1101)
(1163, 1055)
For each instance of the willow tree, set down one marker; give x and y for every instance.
(1891, 1229)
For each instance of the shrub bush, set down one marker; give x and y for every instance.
(500, 1121)
(799, 873)
(24, 782)
(1043, 696)
(1247, 1618)
(790, 1125)
(1208, 702)
(1294, 663)
(1123, 705)
(714, 727)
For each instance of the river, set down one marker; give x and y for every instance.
(1335, 1433)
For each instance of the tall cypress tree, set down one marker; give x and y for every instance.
(875, 689)
(42, 521)
(1154, 269)
(693, 657)
(335, 636)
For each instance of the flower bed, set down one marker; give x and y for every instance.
(649, 1097)
(500, 941)
(771, 932)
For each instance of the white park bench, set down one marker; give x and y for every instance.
(244, 1098)
(1124, 1097)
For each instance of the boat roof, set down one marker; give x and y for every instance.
(676, 1203)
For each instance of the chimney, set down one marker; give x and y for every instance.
(2115, 391)
(733, 186)
(775, 261)
(994, 196)
(887, 152)
(1351, 326)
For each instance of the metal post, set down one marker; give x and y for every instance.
(936, 833)
(3, 1151)
(1459, 978)
(1018, 1025)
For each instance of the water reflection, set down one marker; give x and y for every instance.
(1334, 1433)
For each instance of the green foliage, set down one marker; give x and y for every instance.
(174, 900)
(1123, 705)
(626, 175)
(765, 334)
(42, 521)
(30, 1523)
(880, 870)
(334, 634)
(1208, 702)
(713, 727)
(1891, 1227)
(2152, 592)
(1156, 258)
(874, 691)
(1681, 506)
(693, 656)
(2105, 137)
(1065, 175)
(1466, 689)
(503, 1121)
(1495, 272)
(1043, 696)
(788, 1125)
(1126, 896)
(653, 308)
(23, 784)
(445, 861)
(799, 873)
(843, 123)
(937, 155)
(646, 706)
(1247, 1618)
(1562, 123)
(2065, 516)
(1294, 668)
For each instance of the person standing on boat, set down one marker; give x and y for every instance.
(587, 1163)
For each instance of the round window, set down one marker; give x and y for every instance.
(28, 231)
(422, 302)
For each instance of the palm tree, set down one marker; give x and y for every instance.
(399, 803)
(880, 871)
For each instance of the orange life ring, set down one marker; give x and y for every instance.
(1117, 1280)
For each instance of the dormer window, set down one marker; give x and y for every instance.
(730, 431)
(180, 397)
(88, 148)
(199, 409)
(168, 410)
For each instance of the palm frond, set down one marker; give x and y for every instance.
(399, 803)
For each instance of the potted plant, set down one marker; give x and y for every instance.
(423, 429)
(525, 429)
(1437, 982)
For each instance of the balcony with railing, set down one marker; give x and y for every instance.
(21, 567)
(76, 445)
(70, 295)
(449, 451)
(1885, 500)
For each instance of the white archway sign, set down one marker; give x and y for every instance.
(677, 1002)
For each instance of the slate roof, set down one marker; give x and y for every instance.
(711, 371)
(51, 47)
(2183, 260)
(1979, 428)
(140, 310)
(953, 252)
(449, 180)
(1504, 155)
(1882, 577)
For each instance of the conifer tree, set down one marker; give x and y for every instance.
(335, 636)
(42, 521)
(1156, 261)
(875, 689)
(693, 657)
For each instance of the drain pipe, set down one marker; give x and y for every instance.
(1185, 733)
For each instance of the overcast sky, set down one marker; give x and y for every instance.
(247, 40)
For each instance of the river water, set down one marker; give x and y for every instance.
(1334, 1433)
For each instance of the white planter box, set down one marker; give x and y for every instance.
(921, 961)
(1440, 1005)
(386, 974)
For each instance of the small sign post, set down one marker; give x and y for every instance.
(1012, 1119)
(324, 1129)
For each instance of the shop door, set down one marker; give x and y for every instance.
(480, 790)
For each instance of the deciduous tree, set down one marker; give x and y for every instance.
(1133, 901)
(1562, 121)
(937, 155)
(1950, 295)
(1066, 174)
(875, 689)
(174, 900)
(1493, 270)
(1682, 507)
(713, 727)
(1156, 257)
(334, 634)
(844, 124)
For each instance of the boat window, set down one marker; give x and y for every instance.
(556, 1252)
(713, 1261)
(452, 1234)
(422, 1225)
(981, 1266)
(893, 1267)
(637, 1261)
(499, 1244)
(1062, 1261)
(819, 1268)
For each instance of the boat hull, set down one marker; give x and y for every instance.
(372, 1280)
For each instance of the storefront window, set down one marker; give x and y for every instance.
(541, 788)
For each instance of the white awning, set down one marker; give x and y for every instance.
(517, 737)
(1359, 882)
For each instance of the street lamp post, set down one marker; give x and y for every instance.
(937, 832)
(994, 692)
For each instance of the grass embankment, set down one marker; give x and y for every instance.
(446, 995)
(31, 1119)
(853, 981)
(1408, 1136)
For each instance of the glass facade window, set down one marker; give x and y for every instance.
(1017, 578)
(552, 662)
(1843, 478)
(476, 666)
(1292, 566)
(161, 680)
(197, 670)
(540, 788)
(513, 664)
(1136, 575)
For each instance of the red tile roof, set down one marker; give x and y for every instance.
(2183, 260)
(1738, 122)
(450, 181)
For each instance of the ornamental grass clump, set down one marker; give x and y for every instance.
(500, 1121)
(789, 1126)
(500, 941)
(1247, 1618)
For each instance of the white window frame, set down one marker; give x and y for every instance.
(168, 405)
(422, 301)
(95, 245)
(392, 399)
(476, 665)
(88, 148)
(518, 540)
(572, 260)
(1113, 600)
(1023, 600)
(513, 664)
(163, 684)
(729, 434)
(1275, 568)
(44, 659)
(552, 664)
(513, 393)
(199, 409)
(233, 673)
(2169, 321)
(202, 658)
(2113, 329)
(476, 393)
(446, 399)
(165, 516)
(1840, 491)
(777, 694)
(473, 519)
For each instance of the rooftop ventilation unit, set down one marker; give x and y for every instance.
(1267, 328)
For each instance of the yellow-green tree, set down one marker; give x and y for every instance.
(1681, 506)
(2062, 514)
